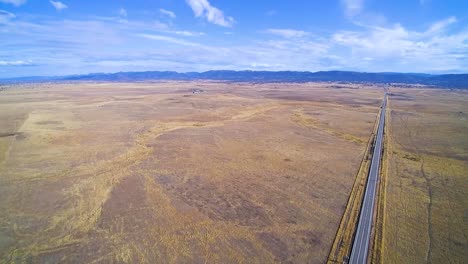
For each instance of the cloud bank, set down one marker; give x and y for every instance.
(118, 43)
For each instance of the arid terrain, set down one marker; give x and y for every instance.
(426, 198)
(153, 173)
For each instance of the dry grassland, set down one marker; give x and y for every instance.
(426, 200)
(151, 173)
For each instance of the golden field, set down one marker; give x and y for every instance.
(240, 173)
(425, 202)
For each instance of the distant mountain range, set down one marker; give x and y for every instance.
(443, 80)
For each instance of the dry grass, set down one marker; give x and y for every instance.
(149, 172)
(425, 200)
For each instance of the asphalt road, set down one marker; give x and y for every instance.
(360, 249)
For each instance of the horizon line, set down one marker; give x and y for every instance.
(225, 70)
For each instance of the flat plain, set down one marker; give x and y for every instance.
(155, 173)
(426, 199)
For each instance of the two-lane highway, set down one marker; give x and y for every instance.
(362, 238)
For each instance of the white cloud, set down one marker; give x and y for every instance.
(379, 41)
(187, 33)
(15, 63)
(287, 33)
(168, 39)
(5, 16)
(203, 8)
(13, 2)
(123, 12)
(352, 7)
(159, 25)
(167, 13)
(58, 5)
(123, 16)
(105, 46)
(441, 25)
(403, 49)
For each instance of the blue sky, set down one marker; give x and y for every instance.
(42, 37)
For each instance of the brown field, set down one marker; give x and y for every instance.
(425, 201)
(241, 173)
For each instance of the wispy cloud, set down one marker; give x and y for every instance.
(167, 13)
(106, 45)
(158, 25)
(352, 7)
(123, 12)
(441, 25)
(203, 8)
(287, 33)
(122, 16)
(187, 33)
(15, 63)
(398, 47)
(13, 2)
(5, 16)
(168, 39)
(58, 5)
